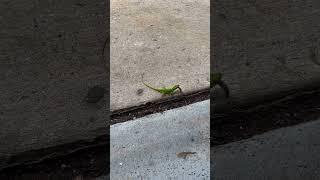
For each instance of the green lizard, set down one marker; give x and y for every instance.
(164, 91)
(216, 79)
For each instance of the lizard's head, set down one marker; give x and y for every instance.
(177, 87)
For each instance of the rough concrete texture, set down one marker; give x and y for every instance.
(166, 40)
(265, 47)
(51, 53)
(286, 154)
(147, 148)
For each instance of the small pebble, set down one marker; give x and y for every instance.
(139, 92)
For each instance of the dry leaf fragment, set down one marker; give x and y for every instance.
(184, 154)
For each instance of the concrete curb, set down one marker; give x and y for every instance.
(287, 153)
(147, 147)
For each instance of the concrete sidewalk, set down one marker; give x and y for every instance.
(285, 154)
(152, 147)
(266, 47)
(166, 40)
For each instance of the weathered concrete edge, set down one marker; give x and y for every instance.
(230, 104)
(40, 155)
(159, 105)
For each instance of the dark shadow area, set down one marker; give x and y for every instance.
(87, 160)
(268, 55)
(54, 70)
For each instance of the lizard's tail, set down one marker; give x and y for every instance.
(142, 75)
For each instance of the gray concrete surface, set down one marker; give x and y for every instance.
(50, 54)
(285, 154)
(166, 40)
(264, 47)
(147, 148)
